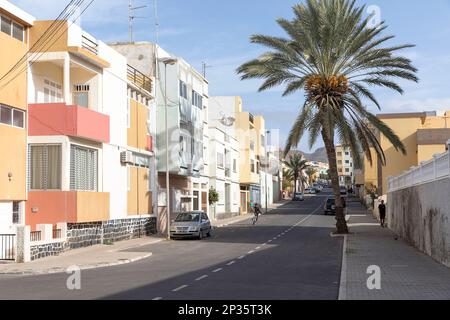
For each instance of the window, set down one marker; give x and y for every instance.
(252, 166)
(17, 32)
(339, 154)
(347, 161)
(12, 28)
(220, 160)
(263, 141)
(16, 212)
(234, 166)
(197, 100)
(183, 90)
(52, 91)
(339, 162)
(18, 118)
(6, 25)
(347, 170)
(81, 95)
(45, 167)
(257, 167)
(5, 115)
(347, 153)
(83, 168)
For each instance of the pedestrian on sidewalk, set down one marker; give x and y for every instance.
(382, 211)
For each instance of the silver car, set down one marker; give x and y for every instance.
(194, 224)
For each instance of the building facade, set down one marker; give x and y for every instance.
(345, 166)
(423, 135)
(14, 41)
(90, 154)
(185, 92)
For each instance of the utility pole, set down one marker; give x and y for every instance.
(131, 17)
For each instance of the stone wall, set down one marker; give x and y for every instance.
(81, 235)
(420, 214)
(45, 250)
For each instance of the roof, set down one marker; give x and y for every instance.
(19, 14)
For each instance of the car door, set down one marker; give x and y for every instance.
(206, 224)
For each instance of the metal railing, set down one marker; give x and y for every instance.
(432, 170)
(7, 247)
(57, 234)
(139, 79)
(35, 236)
(89, 44)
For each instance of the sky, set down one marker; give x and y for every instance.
(218, 32)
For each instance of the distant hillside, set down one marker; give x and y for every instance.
(320, 155)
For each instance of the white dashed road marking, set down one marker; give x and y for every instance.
(180, 288)
(231, 263)
(217, 270)
(201, 278)
(157, 298)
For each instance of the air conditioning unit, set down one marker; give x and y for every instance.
(126, 157)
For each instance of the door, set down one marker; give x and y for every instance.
(227, 197)
(204, 201)
(244, 202)
(196, 201)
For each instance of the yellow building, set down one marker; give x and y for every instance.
(251, 135)
(15, 26)
(423, 134)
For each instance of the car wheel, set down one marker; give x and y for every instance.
(209, 234)
(200, 235)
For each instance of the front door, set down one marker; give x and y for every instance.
(244, 201)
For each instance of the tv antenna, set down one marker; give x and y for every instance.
(131, 17)
(204, 67)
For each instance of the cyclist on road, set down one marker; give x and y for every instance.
(256, 211)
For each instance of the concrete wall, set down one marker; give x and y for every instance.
(420, 215)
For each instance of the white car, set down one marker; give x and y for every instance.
(310, 191)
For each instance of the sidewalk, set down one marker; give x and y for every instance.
(406, 273)
(226, 222)
(85, 258)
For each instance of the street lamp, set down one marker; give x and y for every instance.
(167, 61)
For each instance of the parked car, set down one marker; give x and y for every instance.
(330, 206)
(310, 191)
(343, 191)
(194, 224)
(298, 196)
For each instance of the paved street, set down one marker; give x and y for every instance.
(289, 255)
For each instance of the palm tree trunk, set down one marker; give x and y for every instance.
(341, 224)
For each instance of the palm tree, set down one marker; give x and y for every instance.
(334, 57)
(297, 164)
(288, 178)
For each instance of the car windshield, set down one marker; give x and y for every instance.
(298, 194)
(188, 216)
(330, 201)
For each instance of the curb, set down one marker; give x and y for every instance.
(85, 267)
(343, 281)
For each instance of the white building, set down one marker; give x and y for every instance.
(186, 93)
(224, 157)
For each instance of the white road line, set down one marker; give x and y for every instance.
(257, 248)
(241, 257)
(180, 288)
(217, 270)
(231, 263)
(251, 251)
(157, 298)
(270, 241)
(201, 278)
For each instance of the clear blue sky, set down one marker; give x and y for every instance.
(218, 32)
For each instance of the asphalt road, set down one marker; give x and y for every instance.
(287, 255)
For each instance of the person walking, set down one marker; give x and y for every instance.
(382, 211)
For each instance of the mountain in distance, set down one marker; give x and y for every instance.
(320, 155)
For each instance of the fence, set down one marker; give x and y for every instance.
(35, 236)
(432, 170)
(7, 247)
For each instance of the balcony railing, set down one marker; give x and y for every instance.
(89, 44)
(139, 79)
(35, 236)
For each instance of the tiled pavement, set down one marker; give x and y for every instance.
(406, 273)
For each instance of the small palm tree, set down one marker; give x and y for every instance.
(288, 178)
(297, 164)
(334, 57)
(311, 172)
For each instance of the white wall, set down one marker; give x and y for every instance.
(6, 226)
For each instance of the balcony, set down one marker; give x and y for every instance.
(139, 79)
(56, 119)
(52, 207)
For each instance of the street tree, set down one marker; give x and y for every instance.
(335, 56)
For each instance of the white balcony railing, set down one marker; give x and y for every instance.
(432, 170)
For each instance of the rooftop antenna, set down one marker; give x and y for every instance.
(131, 17)
(204, 67)
(155, 4)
